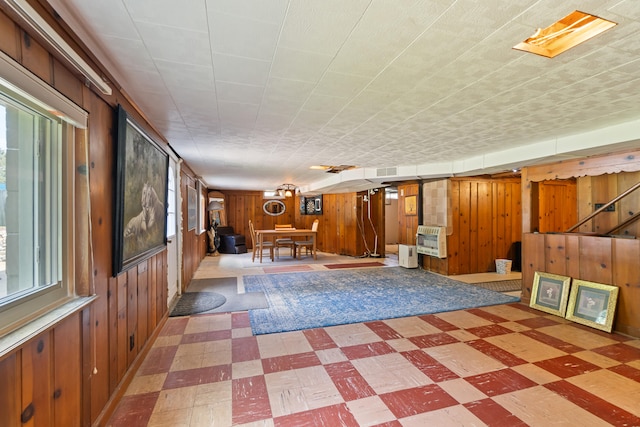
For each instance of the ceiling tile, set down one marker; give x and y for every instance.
(190, 14)
(320, 26)
(241, 36)
(186, 76)
(236, 114)
(239, 93)
(272, 11)
(175, 44)
(299, 65)
(240, 70)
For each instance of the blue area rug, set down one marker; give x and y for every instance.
(327, 298)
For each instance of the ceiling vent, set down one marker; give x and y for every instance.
(387, 171)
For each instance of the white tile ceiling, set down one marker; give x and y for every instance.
(252, 92)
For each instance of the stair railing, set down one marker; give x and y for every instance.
(605, 206)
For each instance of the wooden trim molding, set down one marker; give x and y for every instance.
(628, 161)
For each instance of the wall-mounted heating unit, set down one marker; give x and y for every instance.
(432, 240)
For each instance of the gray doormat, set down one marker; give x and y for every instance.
(501, 285)
(228, 287)
(197, 302)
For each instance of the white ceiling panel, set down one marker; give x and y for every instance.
(272, 11)
(234, 84)
(341, 85)
(299, 65)
(186, 77)
(241, 36)
(170, 44)
(235, 114)
(286, 89)
(240, 70)
(191, 15)
(238, 93)
(315, 26)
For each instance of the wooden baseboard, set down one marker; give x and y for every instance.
(115, 398)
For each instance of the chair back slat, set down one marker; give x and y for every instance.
(253, 233)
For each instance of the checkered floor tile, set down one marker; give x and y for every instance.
(505, 365)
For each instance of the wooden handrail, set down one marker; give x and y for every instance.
(605, 206)
(625, 223)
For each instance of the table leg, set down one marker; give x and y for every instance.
(315, 254)
(260, 240)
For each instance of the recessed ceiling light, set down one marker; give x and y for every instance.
(570, 31)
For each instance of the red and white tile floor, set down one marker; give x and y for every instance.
(505, 365)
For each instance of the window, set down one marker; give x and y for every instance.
(30, 203)
(38, 223)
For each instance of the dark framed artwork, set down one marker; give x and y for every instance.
(192, 208)
(592, 304)
(550, 293)
(140, 218)
(311, 205)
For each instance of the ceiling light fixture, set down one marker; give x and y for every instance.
(570, 31)
(286, 190)
(333, 169)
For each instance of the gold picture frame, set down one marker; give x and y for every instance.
(410, 205)
(592, 304)
(550, 293)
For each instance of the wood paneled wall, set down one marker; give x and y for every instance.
(194, 244)
(596, 259)
(622, 167)
(602, 189)
(486, 223)
(242, 206)
(73, 373)
(41, 384)
(557, 205)
(408, 224)
(343, 217)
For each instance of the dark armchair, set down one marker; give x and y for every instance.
(230, 242)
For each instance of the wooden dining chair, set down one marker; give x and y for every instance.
(256, 244)
(307, 243)
(283, 242)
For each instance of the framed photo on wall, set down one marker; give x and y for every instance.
(410, 207)
(592, 304)
(140, 217)
(550, 293)
(192, 208)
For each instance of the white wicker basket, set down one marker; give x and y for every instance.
(503, 266)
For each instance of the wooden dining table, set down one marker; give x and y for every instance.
(286, 232)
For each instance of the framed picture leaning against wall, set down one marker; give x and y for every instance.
(592, 304)
(550, 293)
